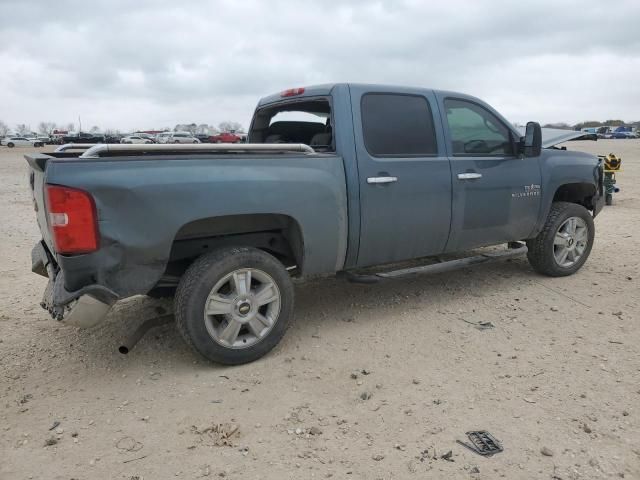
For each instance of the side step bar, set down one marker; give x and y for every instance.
(515, 249)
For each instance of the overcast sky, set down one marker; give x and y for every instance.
(144, 64)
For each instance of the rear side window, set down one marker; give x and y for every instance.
(397, 125)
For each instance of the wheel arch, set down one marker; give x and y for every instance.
(582, 193)
(278, 234)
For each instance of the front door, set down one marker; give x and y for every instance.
(496, 193)
(404, 174)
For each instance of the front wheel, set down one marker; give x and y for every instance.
(234, 305)
(565, 242)
(608, 199)
(10, 145)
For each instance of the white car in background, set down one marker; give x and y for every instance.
(17, 141)
(135, 139)
(146, 136)
(162, 137)
(180, 137)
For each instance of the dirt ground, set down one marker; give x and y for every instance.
(371, 382)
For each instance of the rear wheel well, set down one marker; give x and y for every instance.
(278, 235)
(580, 193)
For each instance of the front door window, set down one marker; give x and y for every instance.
(475, 130)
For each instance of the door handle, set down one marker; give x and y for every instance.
(378, 180)
(469, 176)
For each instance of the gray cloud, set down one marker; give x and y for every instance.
(156, 63)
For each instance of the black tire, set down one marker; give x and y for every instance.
(608, 199)
(541, 248)
(10, 145)
(196, 285)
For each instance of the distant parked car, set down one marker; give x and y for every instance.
(146, 136)
(83, 137)
(16, 141)
(624, 135)
(181, 137)
(135, 139)
(204, 138)
(225, 137)
(112, 138)
(163, 136)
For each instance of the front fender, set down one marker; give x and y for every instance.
(565, 167)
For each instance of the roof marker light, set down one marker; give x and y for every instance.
(292, 92)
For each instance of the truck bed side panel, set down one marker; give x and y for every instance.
(143, 203)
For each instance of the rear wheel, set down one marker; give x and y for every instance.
(10, 145)
(565, 242)
(234, 305)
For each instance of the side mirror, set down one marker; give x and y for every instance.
(532, 145)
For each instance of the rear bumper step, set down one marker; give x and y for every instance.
(515, 250)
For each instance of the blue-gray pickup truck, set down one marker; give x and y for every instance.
(345, 179)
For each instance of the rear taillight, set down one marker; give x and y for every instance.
(72, 220)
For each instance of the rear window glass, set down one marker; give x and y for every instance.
(397, 125)
(305, 121)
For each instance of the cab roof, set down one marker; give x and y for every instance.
(326, 88)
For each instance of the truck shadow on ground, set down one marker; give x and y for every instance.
(322, 305)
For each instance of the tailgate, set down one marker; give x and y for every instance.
(37, 167)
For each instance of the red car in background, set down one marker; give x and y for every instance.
(225, 137)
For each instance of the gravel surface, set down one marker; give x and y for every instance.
(372, 381)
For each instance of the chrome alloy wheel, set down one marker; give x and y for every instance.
(242, 308)
(570, 241)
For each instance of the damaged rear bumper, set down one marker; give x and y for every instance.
(83, 308)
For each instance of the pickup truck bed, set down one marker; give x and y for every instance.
(149, 213)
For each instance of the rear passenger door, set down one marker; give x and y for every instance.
(404, 175)
(496, 193)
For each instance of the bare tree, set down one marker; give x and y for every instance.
(230, 127)
(4, 129)
(46, 128)
(22, 129)
(70, 127)
(203, 129)
(94, 129)
(186, 127)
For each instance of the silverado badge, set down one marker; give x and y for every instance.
(529, 191)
